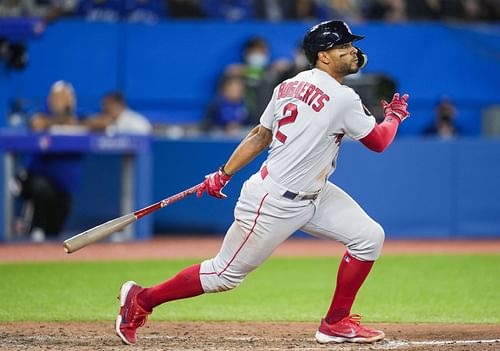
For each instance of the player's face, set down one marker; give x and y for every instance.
(344, 59)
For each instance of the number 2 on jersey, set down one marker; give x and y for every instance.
(290, 115)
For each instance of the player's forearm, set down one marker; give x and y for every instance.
(382, 134)
(253, 144)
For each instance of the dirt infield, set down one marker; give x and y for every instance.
(156, 335)
(196, 247)
(99, 336)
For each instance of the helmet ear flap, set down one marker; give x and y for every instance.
(362, 58)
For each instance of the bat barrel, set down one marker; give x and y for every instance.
(97, 233)
(104, 230)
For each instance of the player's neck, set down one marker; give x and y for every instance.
(339, 77)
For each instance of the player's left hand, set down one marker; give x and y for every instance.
(214, 183)
(398, 107)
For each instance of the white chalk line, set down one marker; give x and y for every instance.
(383, 345)
(398, 344)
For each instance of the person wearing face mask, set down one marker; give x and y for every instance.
(49, 181)
(258, 73)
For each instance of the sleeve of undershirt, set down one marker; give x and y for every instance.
(382, 134)
(357, 120)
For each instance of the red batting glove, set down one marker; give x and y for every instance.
(214, 183)
(397, 107)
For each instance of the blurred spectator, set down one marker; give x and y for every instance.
(232, 10)
(185, 8)
(61, 108)
(258, 73)
(492, 8)
(304, 10)
(14, 54)
(426, 9)
(345, 10)
(310, 10)
(49, 10)
(387, 10)
(443, 125)
(11, 8)
(277, 10)
(273, 10)
(101, 10)
(50, 180)
(475, 10)
(472, 10)
(298, 65)
(145, 11)
(117, 117)
(228, 111)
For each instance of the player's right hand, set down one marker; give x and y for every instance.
(214, 183)
(398, 107)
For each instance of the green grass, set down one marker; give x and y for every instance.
(448, 289)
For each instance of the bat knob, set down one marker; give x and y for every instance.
(66, 248)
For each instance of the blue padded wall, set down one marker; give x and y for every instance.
(415, 189)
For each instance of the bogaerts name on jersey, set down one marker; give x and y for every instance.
(304, 91)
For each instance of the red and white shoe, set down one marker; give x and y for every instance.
(132, 316)
(348, 329)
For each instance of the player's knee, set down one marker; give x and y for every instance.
(369, 245)
(377, 240)
(230, 281)
(215, 280)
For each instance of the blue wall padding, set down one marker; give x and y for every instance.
(416, 188)
(99, 196)
(477, 184)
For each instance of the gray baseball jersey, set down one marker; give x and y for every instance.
(308, 115)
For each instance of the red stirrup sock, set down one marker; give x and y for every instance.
(185, 284)
(351, 275)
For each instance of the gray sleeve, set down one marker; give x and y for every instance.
(267, 117)
(357, 121)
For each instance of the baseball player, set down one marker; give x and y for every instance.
(303, 126)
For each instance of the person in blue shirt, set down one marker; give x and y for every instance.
(228, 111)
(51, 180)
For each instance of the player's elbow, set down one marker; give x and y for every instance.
(377, 147)
(264, 137)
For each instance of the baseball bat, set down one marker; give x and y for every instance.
(106, 229)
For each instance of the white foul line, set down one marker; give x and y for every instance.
(392, 344)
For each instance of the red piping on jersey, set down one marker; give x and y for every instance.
(244, 242)
(382, 135)
(248, 236)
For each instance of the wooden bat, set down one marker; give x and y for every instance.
(106, 229)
